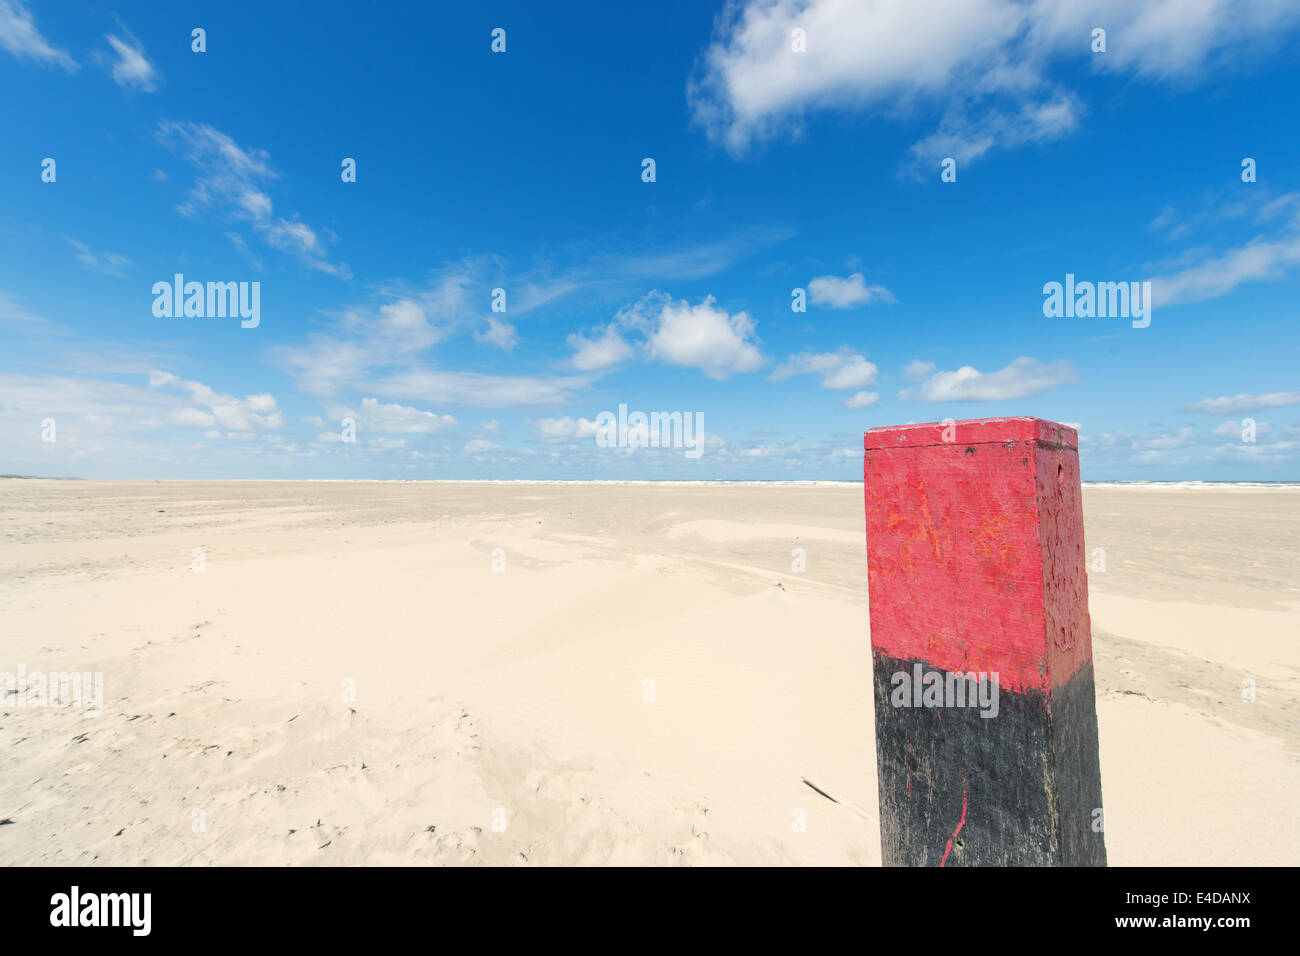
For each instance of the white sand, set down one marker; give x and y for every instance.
(229, 735)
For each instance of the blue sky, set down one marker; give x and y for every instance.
(783, 160)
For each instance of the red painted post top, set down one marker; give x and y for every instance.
(972, 431)
(975, 550)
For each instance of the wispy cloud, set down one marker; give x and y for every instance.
(376, 416)
(844, 369)
(12, 310)
(610, 275)
(1238, 404)
(1216, 274)
(564, 429)
(108, 263)
(232, 182)
(503, 335)
(132, 68)
(382, 350)
(19, 36)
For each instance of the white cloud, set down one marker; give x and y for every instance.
(253, 412)
(1166, 442)
(917, 370)
(132, 68)
(1258, 453)
(1232, 429)
(564, 429)
(1023, 377)
(837, 293)
(750, 85)
(108, 263)
(966, 134)
(842, 369)
(192, 418)
(1235, 404)
(1217, 274)
(862, 400)
(704, 336)
(112, 429)
(479, 446)
(500, 334)
(403, 325)
(701, 336)
(19, 36)
(231, 181)
(399, 419)
(474, 388)
(376, 351)
(11, 310)
(608, 348)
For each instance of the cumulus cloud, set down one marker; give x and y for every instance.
(862, 400)
(661, 328)
(251, 413)
(706, 337)
(751, 85)
(1022, 378)
(837, 293)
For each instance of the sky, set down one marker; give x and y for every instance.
(787, 220)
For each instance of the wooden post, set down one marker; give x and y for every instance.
(981, 645)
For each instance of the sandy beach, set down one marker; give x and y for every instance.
(514, 673)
